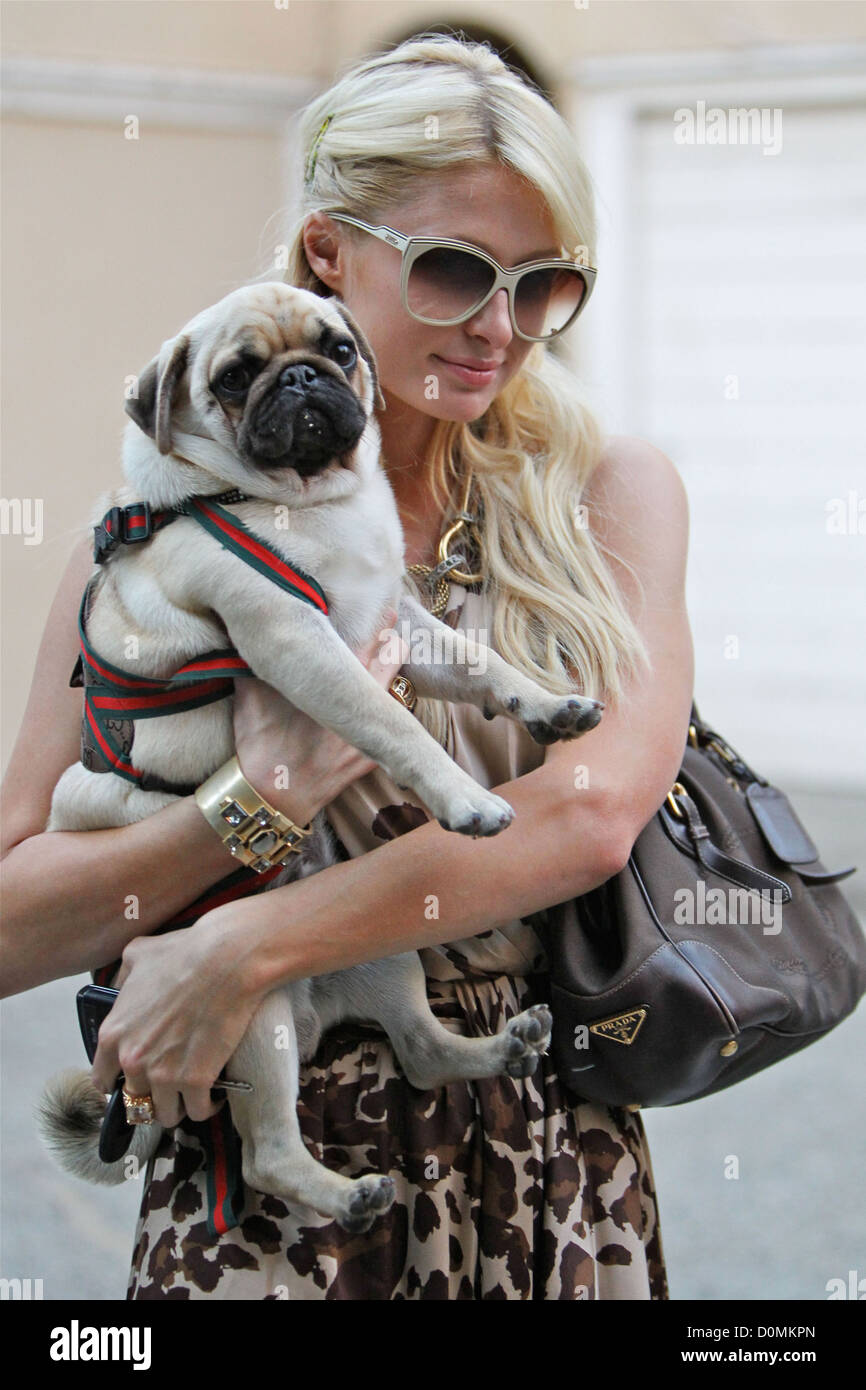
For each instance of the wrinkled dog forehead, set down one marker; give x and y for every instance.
(266, 320)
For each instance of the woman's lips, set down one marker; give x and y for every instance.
(471, 375)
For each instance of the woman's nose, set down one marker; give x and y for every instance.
(493, 322)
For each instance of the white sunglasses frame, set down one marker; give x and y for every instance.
(411, 247)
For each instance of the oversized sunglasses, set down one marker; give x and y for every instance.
(446, 282)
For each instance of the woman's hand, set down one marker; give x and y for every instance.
(180, 1014)
(295, 763)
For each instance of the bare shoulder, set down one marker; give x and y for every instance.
(634, 479)
(48, 740)
(639, 511)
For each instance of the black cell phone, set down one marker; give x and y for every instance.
(94, 1002)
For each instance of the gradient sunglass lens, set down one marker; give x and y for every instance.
(546, 300)
(446, 283)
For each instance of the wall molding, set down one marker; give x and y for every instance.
(195, 98)
(758, 74)
(769, 60)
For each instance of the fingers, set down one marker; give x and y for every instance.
(172, 1099)
(136, 1084)
(106, 1064)
(167, 1104)
(199, 1103)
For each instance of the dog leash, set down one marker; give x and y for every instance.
(220, 1142)
(114, 700)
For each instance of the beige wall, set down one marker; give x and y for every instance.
(314, 36)
(108, 248)
(110, 244)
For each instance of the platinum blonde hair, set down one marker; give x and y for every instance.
(558, 613)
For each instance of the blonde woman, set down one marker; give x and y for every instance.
(573, 569)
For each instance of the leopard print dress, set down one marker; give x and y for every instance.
(506, 1188)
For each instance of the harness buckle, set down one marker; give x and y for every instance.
(114, 529)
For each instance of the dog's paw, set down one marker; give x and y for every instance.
(369, 1197)
(485, 813)
(525, 1038)
(569, 718)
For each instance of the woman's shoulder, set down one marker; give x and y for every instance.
(48, 740)
(635, 472)
(636, 496)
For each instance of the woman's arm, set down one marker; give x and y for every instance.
(639, 511)
(431, 886)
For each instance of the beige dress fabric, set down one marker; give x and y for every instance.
(506, 1188)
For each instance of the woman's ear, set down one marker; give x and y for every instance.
(157, 386)
(364, 348)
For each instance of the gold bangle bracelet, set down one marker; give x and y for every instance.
(257, 834)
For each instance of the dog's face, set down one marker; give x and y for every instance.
(283, 380)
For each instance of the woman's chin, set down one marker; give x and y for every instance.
(464, 406)
(456, 405)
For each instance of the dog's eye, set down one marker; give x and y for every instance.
(345, 355)
(234, 381)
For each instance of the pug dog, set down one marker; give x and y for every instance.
(271, 392)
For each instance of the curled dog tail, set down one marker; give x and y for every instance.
(69, 1116)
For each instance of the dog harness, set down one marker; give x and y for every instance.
(114, 700)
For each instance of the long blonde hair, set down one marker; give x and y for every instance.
(555, 602)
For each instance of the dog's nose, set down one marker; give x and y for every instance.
(299, 375)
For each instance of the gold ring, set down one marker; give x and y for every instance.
(403, 690)
(139, 1109)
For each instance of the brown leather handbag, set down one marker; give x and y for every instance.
(721, 948)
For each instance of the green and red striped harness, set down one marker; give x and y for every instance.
(114, 700)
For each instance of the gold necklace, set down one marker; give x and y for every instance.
(447, 564)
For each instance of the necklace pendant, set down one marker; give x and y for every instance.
(447, 565)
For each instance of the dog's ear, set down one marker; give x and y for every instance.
(364, 348)
(157, 385)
